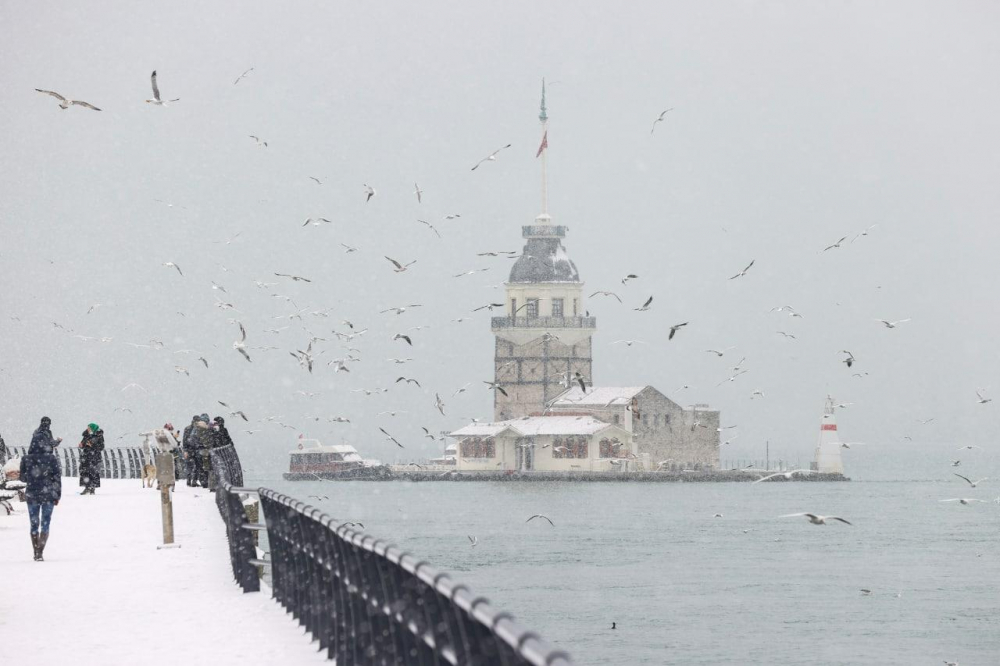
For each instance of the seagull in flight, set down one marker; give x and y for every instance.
(399, 268)
(659, 119)
(240, 345)
(849, 361)
(156, 94)
(406, 338)
(837, 244)
(645, 306)
(171, 264)
(628, 343)
(970, 481)
(720, 353)
(492, 157)
(431, 227)
(260, 142)
(892, 324)
(497, 387)
(400, 309)
(969, 447)
(369, 192)
(538, 515)
(788, 475)
(963, 500)
(744, 271)
(982, 400)
(674, 329)
(408, 381)
(630, 276)
(391, 438)
(606, 293)
(815, 519)
(242, 76)
(439, 403)
(348, 249)
(419, 192)
(66, 103)
(473, 540)
(787, 335)
(865, 232)
(295, 278)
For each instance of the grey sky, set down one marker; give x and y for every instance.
(794, 124)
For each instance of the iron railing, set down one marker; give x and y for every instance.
(226, 465)
(543, 322)
(116, 463)
(365, 601)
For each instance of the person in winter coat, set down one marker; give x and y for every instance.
(222, 437)
(187, 444)
(40, 471)
(43, 434)
(203, 438)
(91, 448)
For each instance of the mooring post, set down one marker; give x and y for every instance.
(166, 479)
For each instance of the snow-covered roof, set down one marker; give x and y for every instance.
(314, 446)
(598, 396)
(537, 425)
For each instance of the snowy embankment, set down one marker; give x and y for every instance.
(106, 595)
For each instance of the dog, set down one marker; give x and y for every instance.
(148, 474)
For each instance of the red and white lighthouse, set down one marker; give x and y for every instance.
(828, 460)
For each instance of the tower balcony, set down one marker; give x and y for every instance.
(501, 323)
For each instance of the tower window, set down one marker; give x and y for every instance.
(513, 307)
(557, 307)
(574, 307)
(532, 307)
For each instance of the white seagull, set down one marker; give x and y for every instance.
(240, 345)
(982, 400)
(66, 103)
(419, 192)
(171, 264)
(892, 324)
(963, 500)
(788, 475)
(970, 481)
(492, 157)
(156, 94)
(242, 76)
(660, 119)
(815, 519)
(538, 515)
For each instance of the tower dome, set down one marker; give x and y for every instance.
(544, 258)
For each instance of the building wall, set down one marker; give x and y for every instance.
(545, 458)
(531, 373)
(663, 429)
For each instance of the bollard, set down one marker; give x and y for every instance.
(166, 479)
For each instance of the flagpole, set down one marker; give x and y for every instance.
(544, 118)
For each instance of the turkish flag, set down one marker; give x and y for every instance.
(545, 143)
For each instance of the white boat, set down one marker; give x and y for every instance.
(311, 459)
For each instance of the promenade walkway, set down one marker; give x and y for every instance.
(106, 595)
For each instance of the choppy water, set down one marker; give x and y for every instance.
(687, 588)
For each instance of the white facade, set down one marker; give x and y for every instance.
(545, 443)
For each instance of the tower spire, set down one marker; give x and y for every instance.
(544, 118)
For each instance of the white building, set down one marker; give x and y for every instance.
(545, 443)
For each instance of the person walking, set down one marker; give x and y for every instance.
(40, 471)
(91, 450)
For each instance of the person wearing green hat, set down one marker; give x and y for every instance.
(91, 452)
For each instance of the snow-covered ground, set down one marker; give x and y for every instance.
(106, 595)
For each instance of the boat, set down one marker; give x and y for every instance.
(311, 459)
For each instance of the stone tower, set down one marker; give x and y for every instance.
(545, 336)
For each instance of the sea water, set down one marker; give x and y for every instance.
(686, 587)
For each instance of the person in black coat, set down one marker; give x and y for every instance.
(43, 434)
(40, 471)
(91, 449)
(187, 444)
(222, 437)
